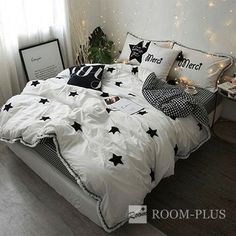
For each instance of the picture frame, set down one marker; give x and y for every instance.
(42, 61)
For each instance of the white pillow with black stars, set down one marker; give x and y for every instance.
(135, 47)
(199, 68)
(159, 60)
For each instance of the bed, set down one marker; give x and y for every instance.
(98, 158)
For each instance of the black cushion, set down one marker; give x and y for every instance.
(87, 77)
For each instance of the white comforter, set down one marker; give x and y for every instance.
(112, 168)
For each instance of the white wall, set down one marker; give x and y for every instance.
(209, 25)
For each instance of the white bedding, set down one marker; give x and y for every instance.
(112, 168)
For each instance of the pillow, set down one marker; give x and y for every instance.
(88, 77)
(159, 60)
(200, 68)
(68, 72)
(135, 47)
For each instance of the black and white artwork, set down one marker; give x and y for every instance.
(42, 61)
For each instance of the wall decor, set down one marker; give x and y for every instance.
(42, 61)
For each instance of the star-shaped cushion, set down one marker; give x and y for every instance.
(137, 51)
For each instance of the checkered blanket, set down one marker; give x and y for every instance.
(173, 101)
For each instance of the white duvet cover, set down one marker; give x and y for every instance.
(116, 158)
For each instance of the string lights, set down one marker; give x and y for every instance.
(118, 19)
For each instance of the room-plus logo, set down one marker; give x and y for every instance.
(137, 214)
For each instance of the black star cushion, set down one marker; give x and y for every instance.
(88, 77)
(44, 118)
(152, 175)
(7, 107)
(35, 83)
(77, 126)
(42, 100)
(116, 160)
(176, 149)
(142, 112)
(152, 132)
(137, 51)
(118, 84)
(200, 126)
(110, 69)
(104, 94)
(114, 130)
(73, 94)
(134, 70)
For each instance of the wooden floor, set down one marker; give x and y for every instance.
(29, 207)
(207, 180)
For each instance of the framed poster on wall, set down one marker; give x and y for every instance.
(42, 61)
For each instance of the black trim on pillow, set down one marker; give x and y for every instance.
(152, 40)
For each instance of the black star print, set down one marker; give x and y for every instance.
(76, 126)
(104, 94)
(116, 160)
(35, 83)
(43, 100)
(44, 118)
(131, 94)
(152, 174)
(176, 149)
(118, 84)
(108, 110)
(137, 51)
(73, 94)
(142, 112)
(134, 70)
(114, 130)
(180, 57)
(200, 126)
(7, 107)
(110, 69)
(152, 132)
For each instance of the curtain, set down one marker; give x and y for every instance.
(24, 23)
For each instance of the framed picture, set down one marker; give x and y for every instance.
(42, 61)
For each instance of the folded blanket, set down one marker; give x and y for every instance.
(172, 100)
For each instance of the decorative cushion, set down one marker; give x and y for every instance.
(135, 47)
(199, 68)
(159, 60)
(87, 77)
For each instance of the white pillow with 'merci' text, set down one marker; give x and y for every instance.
(159, 60)
(199, 68)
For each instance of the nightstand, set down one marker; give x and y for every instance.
(225, 129)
